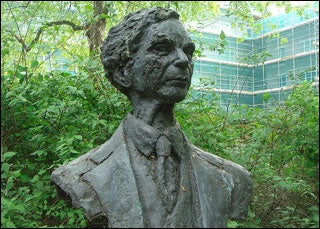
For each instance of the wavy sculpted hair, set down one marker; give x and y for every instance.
(123, 42)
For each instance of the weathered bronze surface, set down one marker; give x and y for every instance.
(148, 174)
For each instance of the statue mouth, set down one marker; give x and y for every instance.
(180, 82)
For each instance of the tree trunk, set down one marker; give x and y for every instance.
(95, 31)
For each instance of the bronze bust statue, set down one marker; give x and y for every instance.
(148, 174)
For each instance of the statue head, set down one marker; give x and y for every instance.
(149, 54)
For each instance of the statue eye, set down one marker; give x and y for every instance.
(161, 47)
(189, 50)
(189, 54)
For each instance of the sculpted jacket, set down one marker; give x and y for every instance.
(117, 181)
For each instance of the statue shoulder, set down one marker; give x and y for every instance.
(81, 165)
(241, 180)
(71, 188)
(69, 177)
(210, 158)
(229, 166)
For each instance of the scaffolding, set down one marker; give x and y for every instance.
(261, 64)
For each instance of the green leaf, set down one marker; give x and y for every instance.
(39, 153)
(31, 166)
(232, 224)
(79, 137)
(277, 178)
(266, 97)
(104, 16)
(9, 183)
(34, 179)
(5, 168)
(4, 52)
(222, 35)
(9, 224)
(22, 68)
(88, 7)
(72, 89)
(6, 156)
(16, 173)
(19, 208)
(65, 73)
(34, 64)
(24, 178)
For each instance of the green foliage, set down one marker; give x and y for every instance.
(47, 122)
(256, 58)
(220, 44)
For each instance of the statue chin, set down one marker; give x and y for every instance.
(172, 95)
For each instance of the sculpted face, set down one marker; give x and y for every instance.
(163, 65)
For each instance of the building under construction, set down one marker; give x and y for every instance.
(285, 53)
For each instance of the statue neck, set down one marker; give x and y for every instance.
(153, 112)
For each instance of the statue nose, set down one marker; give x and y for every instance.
(181, 59)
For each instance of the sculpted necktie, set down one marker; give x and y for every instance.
(167, 172)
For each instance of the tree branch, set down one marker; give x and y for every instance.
(46, 25)
(20, 40)
(64, 22)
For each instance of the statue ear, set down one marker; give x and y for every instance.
(123, 79)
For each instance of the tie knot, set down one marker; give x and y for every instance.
(163, 146)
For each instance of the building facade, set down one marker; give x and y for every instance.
(284, 53)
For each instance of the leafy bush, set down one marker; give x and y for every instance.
(47, 122)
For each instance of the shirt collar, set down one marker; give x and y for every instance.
(143, 136)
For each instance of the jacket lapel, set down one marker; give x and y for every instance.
(114, 183)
